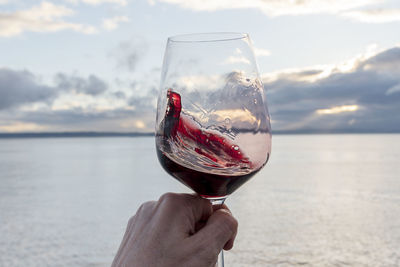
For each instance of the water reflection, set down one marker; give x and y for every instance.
(321, 201)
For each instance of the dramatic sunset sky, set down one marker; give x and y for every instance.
(94, 65)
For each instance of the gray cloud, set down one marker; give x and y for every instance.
(91, 86)
(387, 61)
(21, 87)
(74, 116)
(82, 119)
(119, 95)
(128, 53)
(145, 101)
(372, 85)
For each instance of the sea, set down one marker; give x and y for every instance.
(322, 200)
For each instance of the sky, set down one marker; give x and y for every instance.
(94, 65)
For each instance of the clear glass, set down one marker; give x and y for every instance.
(213, 127)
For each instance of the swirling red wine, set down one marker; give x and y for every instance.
(203, 159)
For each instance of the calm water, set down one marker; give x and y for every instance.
(322, 200)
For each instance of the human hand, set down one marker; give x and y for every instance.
(177, 230)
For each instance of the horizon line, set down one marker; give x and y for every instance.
(144, 134)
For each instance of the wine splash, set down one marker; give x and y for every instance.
(205, 160)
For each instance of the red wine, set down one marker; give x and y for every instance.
(203, 159)
(183, 130)
(205, 184)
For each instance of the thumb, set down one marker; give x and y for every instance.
(218, 233)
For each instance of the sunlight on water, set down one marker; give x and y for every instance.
(322, 200)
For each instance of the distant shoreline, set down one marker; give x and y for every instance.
(72, 134)
(150, 134)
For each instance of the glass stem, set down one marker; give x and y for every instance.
(220, 260)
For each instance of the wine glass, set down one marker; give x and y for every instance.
(213, 128)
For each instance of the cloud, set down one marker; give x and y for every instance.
(90, 86)
(22, 127)
(338, 109)
(21, 87)
(274, 7)
(314, 73)
(386, 61)
(128, 53)
(120, 119)
(236, 59)
(73, 103)
(113, 23)
(374, 15)
(363, 98)
(362, 94)
(46, 17)
(99, 2)
(393, 90)
(261, 52)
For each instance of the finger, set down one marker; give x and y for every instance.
(229, 244)
(222, 206)
(184, 210)
(201, 208)
(144, 212)
(218, 233)
(137, 221)
(200, 224)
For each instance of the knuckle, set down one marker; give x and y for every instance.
(228, 222)
(168, 198)
(131, 221)
(145, 209)
(148, 205)
(234, 223)
(196, 201)
(206, 202)
(145, 206)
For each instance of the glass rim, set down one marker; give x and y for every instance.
(208, 37)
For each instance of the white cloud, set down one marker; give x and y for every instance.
(17, 126)
(132, 124)
(261, 52)
(236, 59)
(362, 96)
(99, 2)
(337, 109)
(206, 82)
(374, 15)
(275, 7)
(318, 72)
(45, 17)
(113, 23)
